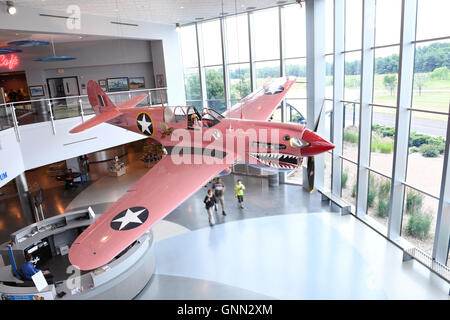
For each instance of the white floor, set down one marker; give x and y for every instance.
(319, 255)
(296, 256)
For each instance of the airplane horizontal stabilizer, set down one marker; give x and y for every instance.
(98, 119)
(132, 102)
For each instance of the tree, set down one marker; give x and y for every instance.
(430, 57)
(240, 89)
(420, 80)
(192, 85)
(441, 73)
(214, 85)
(390, 82)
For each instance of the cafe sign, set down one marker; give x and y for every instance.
(9, 61)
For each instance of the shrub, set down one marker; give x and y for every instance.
(376, 127)
(351, 137)
(417, 139)
(372, 191)
(344, 179)
(384, 189)
(387, 131)
(383, 207)
(384, 131)
(386, 146)
(414, 150)
(413, 201)
(374, 145)
(354, 191)
(441, 73)
(371, 196)
(418, 225)
(429, 150)
(438, 142)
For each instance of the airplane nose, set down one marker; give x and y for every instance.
(317, 144)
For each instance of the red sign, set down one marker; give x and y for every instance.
(10, 62)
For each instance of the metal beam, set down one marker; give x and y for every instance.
(251, 48)
(402, 121)
(442, 235)
(338, 95)
(226, 78)
(315, 75)
(201, 64)
(365, 114)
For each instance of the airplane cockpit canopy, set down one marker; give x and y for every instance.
(178, 113)
(210, 117)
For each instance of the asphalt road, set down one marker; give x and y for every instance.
(427, 126)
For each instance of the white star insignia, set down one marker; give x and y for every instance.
(129, 217)
(144, 124)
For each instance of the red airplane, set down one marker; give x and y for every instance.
(199, 147)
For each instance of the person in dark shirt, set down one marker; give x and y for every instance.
(219, 190)
(209, 204)
(29, 270)
(12, 95)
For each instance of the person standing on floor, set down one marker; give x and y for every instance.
(219, 191)
(84, 168)
(239, 188)
(209, 204)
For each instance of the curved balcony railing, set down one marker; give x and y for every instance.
(14, 114)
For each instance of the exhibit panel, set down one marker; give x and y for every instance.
(48, 241)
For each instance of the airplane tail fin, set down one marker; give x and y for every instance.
(103, 107)
(98, 99)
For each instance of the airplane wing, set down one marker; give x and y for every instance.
(260, 104)
(154, 196)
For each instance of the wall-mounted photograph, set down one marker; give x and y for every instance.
(160, 81)
(103, 85)
(36, 91)
(137, 83)
(118, 84)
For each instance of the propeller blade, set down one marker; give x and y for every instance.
(310, 171)
(316, 126)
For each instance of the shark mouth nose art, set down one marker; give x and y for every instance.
(278, 160)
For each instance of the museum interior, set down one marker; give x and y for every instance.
(372, 77)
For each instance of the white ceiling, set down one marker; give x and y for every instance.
(158, 11)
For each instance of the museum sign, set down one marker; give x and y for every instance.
(9, 62)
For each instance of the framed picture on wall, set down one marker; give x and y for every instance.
(102, 84)
(118, 84)
(137, 83)
(36, 91)
(160, 81)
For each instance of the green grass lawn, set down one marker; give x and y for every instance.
(435, 95)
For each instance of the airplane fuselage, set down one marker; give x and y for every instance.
(273, 145)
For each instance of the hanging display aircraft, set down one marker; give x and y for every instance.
(199, 147)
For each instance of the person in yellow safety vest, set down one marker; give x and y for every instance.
(239, 188)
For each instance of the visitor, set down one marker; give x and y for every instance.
(219, 191)
(209, 204)
(29, 270)
(239, 188)
(84, 168)
(20, 95)
(12, 95)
